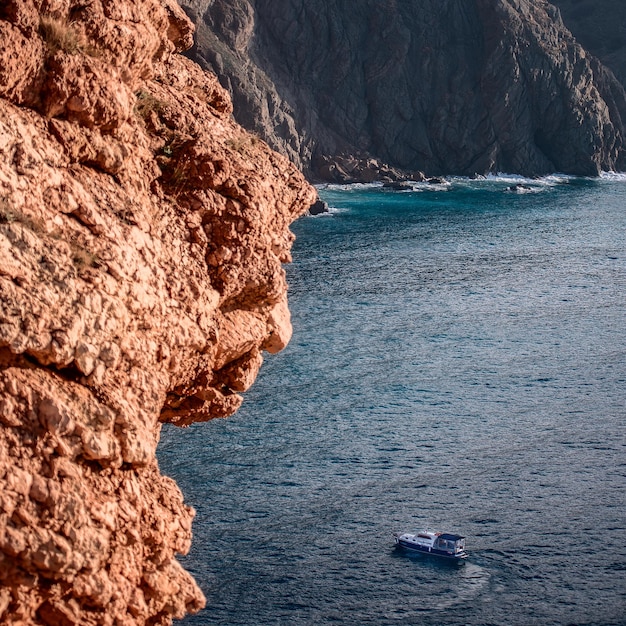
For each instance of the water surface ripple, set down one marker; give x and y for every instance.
(459, 363)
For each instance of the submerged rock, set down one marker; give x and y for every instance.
(519, 188)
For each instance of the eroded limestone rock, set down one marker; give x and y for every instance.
(142, 237)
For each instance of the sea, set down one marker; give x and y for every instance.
(458, 363)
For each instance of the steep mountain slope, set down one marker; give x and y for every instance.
(142, 237)
(444, 86)
(600, 26)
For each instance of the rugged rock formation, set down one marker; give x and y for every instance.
(601, 28)
(142, 236)
(442, 86)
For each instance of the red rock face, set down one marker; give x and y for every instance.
(142, 237)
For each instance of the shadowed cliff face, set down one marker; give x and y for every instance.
(601, 28)
(446, 87)
(142, 237)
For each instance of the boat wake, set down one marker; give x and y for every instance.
(472, 580)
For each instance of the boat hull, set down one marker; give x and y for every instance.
(442, 554)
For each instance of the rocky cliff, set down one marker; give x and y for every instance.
(142, 237)
(443, 86)
(600, 26)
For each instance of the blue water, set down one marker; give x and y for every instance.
(458, 363)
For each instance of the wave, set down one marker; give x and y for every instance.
(444, 185)
(347, 186)
(495, 182)
(555, 178)
(506, 177)
(445, 182)
(512, 183)
(534, 183)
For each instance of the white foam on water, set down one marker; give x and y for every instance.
(332, 210)
(426, 186)
(348, 186)
(613, 176)
(502, 177)
(517, 179)
(498, 177)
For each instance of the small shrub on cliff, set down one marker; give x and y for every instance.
(174, 165)
(146, 104)
(7, 214)
(243, 143)
(175, 142)
(59, 35)
(175, 177)
(84, 258)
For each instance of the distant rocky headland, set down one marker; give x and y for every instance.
(384, 89)
(142, 238)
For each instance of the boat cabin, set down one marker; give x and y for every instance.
(449, 542)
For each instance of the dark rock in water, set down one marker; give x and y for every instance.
(436, 180)
(441, 86)
(318, 207)
(519, 187)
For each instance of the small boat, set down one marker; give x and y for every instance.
(444, 545)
